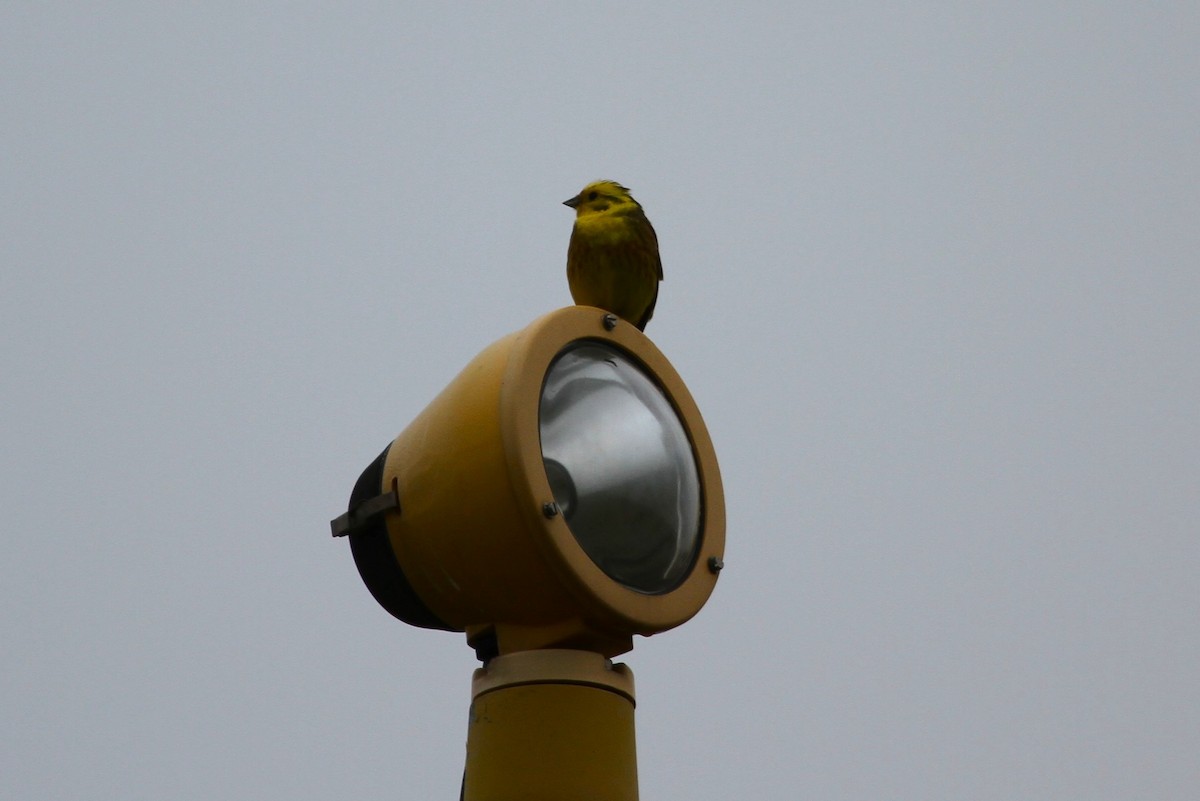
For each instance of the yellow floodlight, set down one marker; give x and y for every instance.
(561, 492)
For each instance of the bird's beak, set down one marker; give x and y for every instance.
(574, 202)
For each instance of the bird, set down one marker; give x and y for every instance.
(612, 259)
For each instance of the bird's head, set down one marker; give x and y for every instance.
(601, 196)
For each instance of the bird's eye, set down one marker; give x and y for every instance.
(593, 195)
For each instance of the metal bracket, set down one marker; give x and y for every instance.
(363, 513)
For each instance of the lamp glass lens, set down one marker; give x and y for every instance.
(621, 467)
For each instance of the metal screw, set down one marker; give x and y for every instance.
(715, 564)
(550, 509)
(610, 322)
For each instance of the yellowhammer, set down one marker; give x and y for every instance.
(612, 261)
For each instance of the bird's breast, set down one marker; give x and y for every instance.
(605, 229)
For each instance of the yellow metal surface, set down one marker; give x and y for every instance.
(553, 666)
(461, 536)
(472, 536)
(551, 729)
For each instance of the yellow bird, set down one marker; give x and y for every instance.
(612, 261)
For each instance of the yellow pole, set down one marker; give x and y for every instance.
(551, 725)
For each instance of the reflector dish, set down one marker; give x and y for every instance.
(621, 467)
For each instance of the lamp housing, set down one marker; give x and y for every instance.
(561, 492)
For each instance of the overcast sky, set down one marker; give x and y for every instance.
(931, 276)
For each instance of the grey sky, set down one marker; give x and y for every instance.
(930, 275)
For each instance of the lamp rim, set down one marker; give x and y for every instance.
(603, 600)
